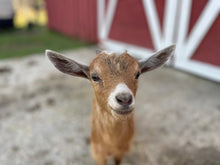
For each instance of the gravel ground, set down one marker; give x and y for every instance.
(45, 116)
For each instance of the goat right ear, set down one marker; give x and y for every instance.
(67, 65)
(157, 59)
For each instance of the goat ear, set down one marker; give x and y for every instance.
(67, 65)
(157, 59)
(98, 51)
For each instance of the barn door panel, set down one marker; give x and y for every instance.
(148, 25)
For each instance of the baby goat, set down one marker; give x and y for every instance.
(115, 81)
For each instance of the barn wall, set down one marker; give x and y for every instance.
(75, 18)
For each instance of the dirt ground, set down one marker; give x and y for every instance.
(45, 116)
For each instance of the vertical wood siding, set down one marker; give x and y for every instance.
(75, 18)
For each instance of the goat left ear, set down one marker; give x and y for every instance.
(157, 59)
(98, 51)
(67, 65)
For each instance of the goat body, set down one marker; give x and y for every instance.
(109, 136)
(115, 80)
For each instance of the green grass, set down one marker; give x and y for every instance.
(18, 43)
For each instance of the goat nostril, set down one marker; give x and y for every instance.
(124, 99)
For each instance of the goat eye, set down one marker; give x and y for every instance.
(137, 75)
(95, 77)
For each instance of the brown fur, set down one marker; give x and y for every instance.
(111, 134)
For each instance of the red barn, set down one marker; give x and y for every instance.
(143, 26)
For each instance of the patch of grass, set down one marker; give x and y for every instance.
(18, 43)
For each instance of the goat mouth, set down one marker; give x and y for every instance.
(122, 111)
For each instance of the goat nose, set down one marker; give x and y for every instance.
(124, 98)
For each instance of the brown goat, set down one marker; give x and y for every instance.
(115, 81)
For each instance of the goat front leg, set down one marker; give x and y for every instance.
(101, 162)
(98, 154)
(118, 159)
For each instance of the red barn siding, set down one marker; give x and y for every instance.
(197, 8)
(75, 18)
(160, 7)
(130, 25)
(208, 50)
